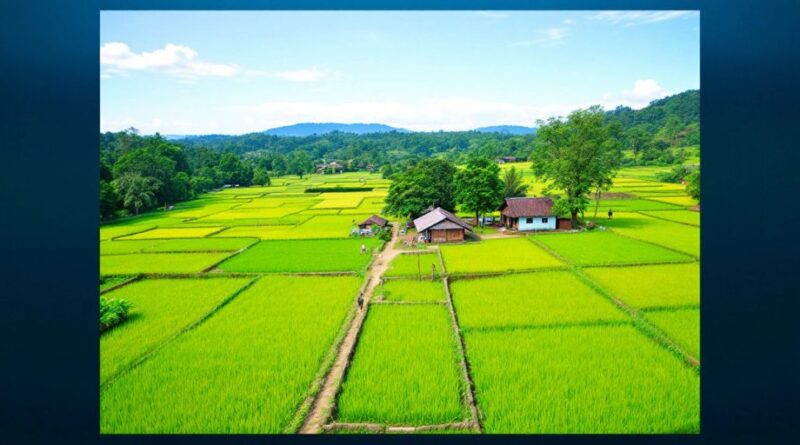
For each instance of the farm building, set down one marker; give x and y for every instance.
(366, 225)
(528, 214)
(440, 226)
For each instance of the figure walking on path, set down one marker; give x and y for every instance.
(360, 301)
(363, 248)
(610, 213)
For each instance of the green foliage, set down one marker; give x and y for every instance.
(137, 191)
(574, 380)
(429, 183)
(261, 177)
(112, 312)
(677, 174)
(577, 155)
(244, 370)
(514, 185)
(478, 187)
(693, 185)
(406, 359)
(531, 299)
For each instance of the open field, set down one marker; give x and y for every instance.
(174, 245)
(405, 369)
(244, 370)
(609, 379)
(532, 299)
(180, 232)
(596, 248)
(417, 265)
(423, 290)
(644, 287)
(682, 325)
(338, 255)
(497, 256)
(158, 263)
(666, 233)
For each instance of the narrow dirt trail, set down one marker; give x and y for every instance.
(321, 407)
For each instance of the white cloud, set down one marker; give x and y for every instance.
(302, 75)
(547, 37)
(569, 22)
(643, 92)
(630, 18)
(177, 60)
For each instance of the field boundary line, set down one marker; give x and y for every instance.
(690, 260)
(124, 283)
(479, 275)
(695, 257)
(640, 322)
(391, 428)
(575, 324)
(233, 254)
(468, 396)
(642, 212)
(419, 303)
(166, 342)
(114, 238)
(675, 308)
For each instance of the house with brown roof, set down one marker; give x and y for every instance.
(528, 214)
(441, 226)
(366, 225)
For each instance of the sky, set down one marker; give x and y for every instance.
(216, 72)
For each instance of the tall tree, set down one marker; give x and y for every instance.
(514, 184)
(429, 183)
(478, 187)
(137, 191)
(576, 155)
(693, 184)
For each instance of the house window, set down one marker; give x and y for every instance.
(544, 220)
(529, 220)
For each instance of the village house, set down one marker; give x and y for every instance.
(330, 167)
(440, 226)
(365, 227)
(524, 214)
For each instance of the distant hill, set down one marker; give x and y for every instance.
(310, 129)
(684, 106)
(507, 129)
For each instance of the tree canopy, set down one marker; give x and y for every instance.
(429, 183)
(478, 187)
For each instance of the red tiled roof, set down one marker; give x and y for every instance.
(527, 207)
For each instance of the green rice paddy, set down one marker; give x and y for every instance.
(413, 290)
(340, 255)
(604, 248)
(643, 287)
(497, 256)
(417, 265)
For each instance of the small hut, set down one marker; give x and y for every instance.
(440, 226)
(366, 226)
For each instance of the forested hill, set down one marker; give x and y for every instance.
(311, 129)
(672, 116)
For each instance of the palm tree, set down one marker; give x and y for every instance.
(514, 185)
(137, 191)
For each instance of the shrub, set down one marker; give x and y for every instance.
(112, 312)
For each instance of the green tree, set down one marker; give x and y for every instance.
(514, 184)
(137, 191)
(109, 200)
(576, 155)
(693, 185)
(299, 163)
(637, 139)
(429, 183)
(478, 187)
(261, 177)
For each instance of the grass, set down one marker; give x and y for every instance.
(174, 245)
(174, 232)
(496, 256)
(540, 298)
(685, 201)
(681, 216)
(605, 248)
(340, 200)
(626, 205)
(109, 282)
(161, 308)
(413, 290)
(608, 379)
(405, 369)
(682, 326)
(676, 236)
(158, 263)
(303, 256)
(643, 287)
(244, 370)
(414, 265)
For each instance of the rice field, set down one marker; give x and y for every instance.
(496, 256)
(158, 263)
(604, 248)
(244, 370)
(681, 325)
(642, 287)
(174, 245)
(405, 370)
(174, 232)
(336, 255)
(681, 216)
(665, 233)
(609, 379)
(412, 290)
(417, 265)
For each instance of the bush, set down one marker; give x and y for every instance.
(112, 312)
(385, 234)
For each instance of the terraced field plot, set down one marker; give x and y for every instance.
(681, 325)
(497, 256)
(155, 263)
(244, 370)
(601, 248)
(174, 232)
(681, 216)
(174, 245)
(666, 233)
(413, 290)
(532, 299)
(627, 205)
(304, 256)
(417, 265)
(669, 285)
(405, 370)
(161, 309)
(608, 379)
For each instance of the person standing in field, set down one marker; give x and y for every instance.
(361, 301)
(610, 213)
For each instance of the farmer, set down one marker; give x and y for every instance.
(610, 213)
(360, 301)
(363, 248)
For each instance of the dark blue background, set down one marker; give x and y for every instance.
(49, 116)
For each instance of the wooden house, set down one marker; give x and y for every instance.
(440, 226)
(526, 214)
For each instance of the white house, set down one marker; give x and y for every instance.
(526, 214)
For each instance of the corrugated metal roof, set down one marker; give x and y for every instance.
(436, 216)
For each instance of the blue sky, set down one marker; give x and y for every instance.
(239, 72)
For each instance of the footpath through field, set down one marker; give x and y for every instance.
(321, 408)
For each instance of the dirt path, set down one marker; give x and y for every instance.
(323, 403)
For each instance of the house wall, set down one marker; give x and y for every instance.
(448, 235)
(537, 223)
